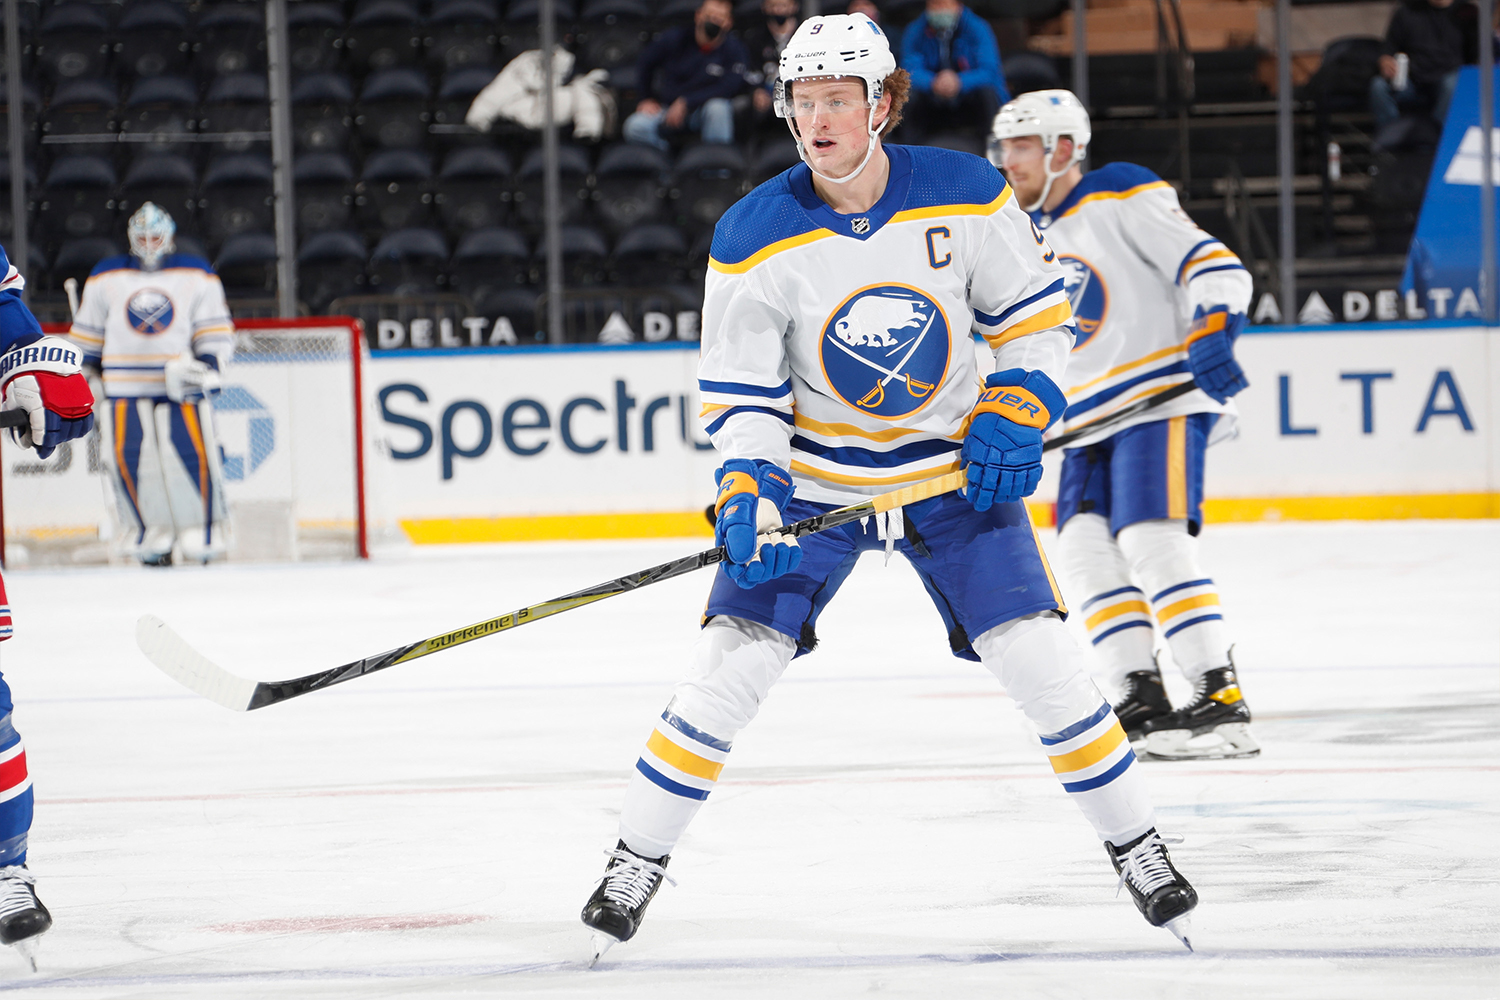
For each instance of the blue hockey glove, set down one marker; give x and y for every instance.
(1210, 346)
(751, 496)
(1002, 452)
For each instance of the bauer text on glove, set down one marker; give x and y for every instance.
(45, 378)
(752, 495)
(1210, 345)
(1002, 452)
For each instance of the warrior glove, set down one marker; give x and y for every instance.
(751, 496)
(45, 378)
(1210, 346)
(1002, 452)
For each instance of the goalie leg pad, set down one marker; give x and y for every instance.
(193, 477)
(140, 490)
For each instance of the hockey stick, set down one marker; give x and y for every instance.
(1122, 415)
(193, 670)
(14, 418)
(187, 666)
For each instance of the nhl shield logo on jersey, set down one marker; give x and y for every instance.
(885, 350)
(1087, 294)
(149, 311)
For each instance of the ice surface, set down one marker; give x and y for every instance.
(888, 825)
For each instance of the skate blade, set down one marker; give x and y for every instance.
(1225, 742)
(27, 948)
(1182, 927)
(599, 943)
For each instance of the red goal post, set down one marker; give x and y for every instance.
(291, 426)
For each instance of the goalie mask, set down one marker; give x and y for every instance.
(832, 47)
(1052, 115)
(150, 231)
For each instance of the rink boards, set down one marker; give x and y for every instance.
(1350, 422)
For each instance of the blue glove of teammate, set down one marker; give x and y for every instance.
(1210, 346)
(1002, 452)
(751, 497)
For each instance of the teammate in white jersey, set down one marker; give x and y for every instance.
(1158, 302)
(157, 324)
(837, 363)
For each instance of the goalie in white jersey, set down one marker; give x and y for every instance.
(1158, 302)
(157, 324)
(837, 363)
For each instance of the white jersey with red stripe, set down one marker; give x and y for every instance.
(1138, 267)
(840, 346)
(131, 322)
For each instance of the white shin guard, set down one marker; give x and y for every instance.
(735, 663)
(1185, 602)
(1114, 609)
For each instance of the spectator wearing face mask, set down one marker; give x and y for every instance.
(765, 39)
(688, 77)
(956, 83)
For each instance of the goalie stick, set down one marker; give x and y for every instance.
(184, 664)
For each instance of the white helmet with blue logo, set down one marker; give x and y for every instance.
(829, 47)
(1052, 115)
(151, 231)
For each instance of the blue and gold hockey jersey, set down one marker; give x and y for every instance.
(132, 322)
(1137, 267)
(840, 346)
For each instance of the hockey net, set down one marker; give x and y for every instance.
(291, 425)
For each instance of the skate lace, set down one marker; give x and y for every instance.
(1146, 866)
(630, 882)
(15, 890)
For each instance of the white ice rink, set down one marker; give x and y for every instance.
(887, 826)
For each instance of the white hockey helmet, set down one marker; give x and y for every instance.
(827, 48)
(150, 231)
(1050, 114)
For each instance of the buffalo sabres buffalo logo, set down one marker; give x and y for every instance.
(885, 350)
(149, 311)
(1087, 294)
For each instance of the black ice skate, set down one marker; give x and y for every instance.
(1143, 699)
(1160, 892)
(22, 916)
(1217, 708)
(615, 910)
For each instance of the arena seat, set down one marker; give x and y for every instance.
(384, 34)
(393, 108)
(73, 40)
(612, 33)
(329, 265)
(324, 186)
(409, 262)
(236, 196)
(487, 261)
(455, 94)
(629, 183)
(474, 189)
(573, 171)
(163, 108)
(77, 200)
(246, 264)
(705, 182)
(231, 38)
(462, 33)
(168, 180)
(585, 257)
(84, 111)
(394, 190)
(322, 112)
(315, 36)
(648, 256)
(237, 108)
(152, 38)
(76, 258)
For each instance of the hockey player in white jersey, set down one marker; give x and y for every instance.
(157, 324)
(837, 363)
(43, 376)
(1158, 302)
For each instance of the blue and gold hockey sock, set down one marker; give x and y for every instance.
(1094, 761)
(675, 773)
(1190, 619)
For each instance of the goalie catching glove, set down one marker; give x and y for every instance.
(45, 378)
(1002, 452)
(191, 379)
(751, 497)
(1210, 345)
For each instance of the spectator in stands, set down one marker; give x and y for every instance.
(1431, 34)
(865, 7)
(954, 63)
(765, 40)
(688, 76)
